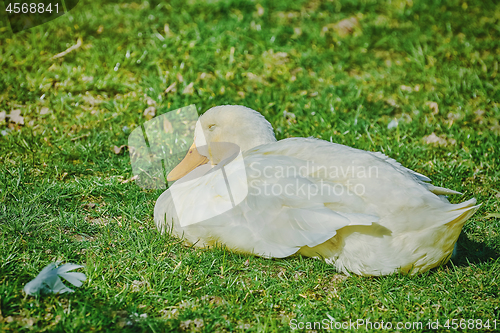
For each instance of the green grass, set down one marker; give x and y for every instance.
(62, 195)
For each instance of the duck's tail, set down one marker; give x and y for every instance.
(468, 208)
(465, 210)
(435, 246)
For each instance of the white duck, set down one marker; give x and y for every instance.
(360, 211)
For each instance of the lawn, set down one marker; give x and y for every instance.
(345, 71)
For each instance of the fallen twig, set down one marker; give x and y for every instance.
(70, 49)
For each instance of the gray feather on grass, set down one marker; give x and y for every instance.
(49, 279)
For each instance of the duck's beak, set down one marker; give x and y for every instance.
(192, 160)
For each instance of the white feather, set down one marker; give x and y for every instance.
(48, 280)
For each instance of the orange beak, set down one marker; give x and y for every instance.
(191, 161)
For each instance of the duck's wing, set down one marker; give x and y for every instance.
(300, 192)
(434, 189)
(398, 165)
(283, 209)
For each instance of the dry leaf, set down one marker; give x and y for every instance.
(479, 112)
(130, 179)
(433, 139)
(3, 114)
(169, 314)
(44, 110)
(433, 106)
(167, 126)
(339, 278)
(15, 117)
(171, 88)
(406, 88)
(439, 140)
(150, 101)
(272, 59)
(260, 9)
(392, 102)
(137, 285)
(118, 150)
(189, 90)
(479, 116)
(150, 112)
(166, 29)
(86, 78)
(89, 99)
(346, 26)
(191, 325)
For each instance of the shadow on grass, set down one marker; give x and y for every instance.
(472, 252)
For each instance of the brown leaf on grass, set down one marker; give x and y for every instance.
(97, 221)
(166, 29)
(92, 100)
(434, 139)
(406, 88)
(130, 179)
(89, 205)
(15, 117)
(150, 101)
(137, 285)
(260, 9)
(479, 116)
(191, 325)
(479, 112)
(255, 78)
(167, 126)
(337, 278)
(441, 140)
(188, 90)
(149, 112)
(169, 314)
(272, 59)
(453, 116)
(496, 126)
(118, 150)
(345, 27)
(433, 106)
(171, 88)
(392, 102)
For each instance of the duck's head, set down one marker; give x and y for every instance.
(222, 131)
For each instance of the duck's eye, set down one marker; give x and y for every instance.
(211, 127)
